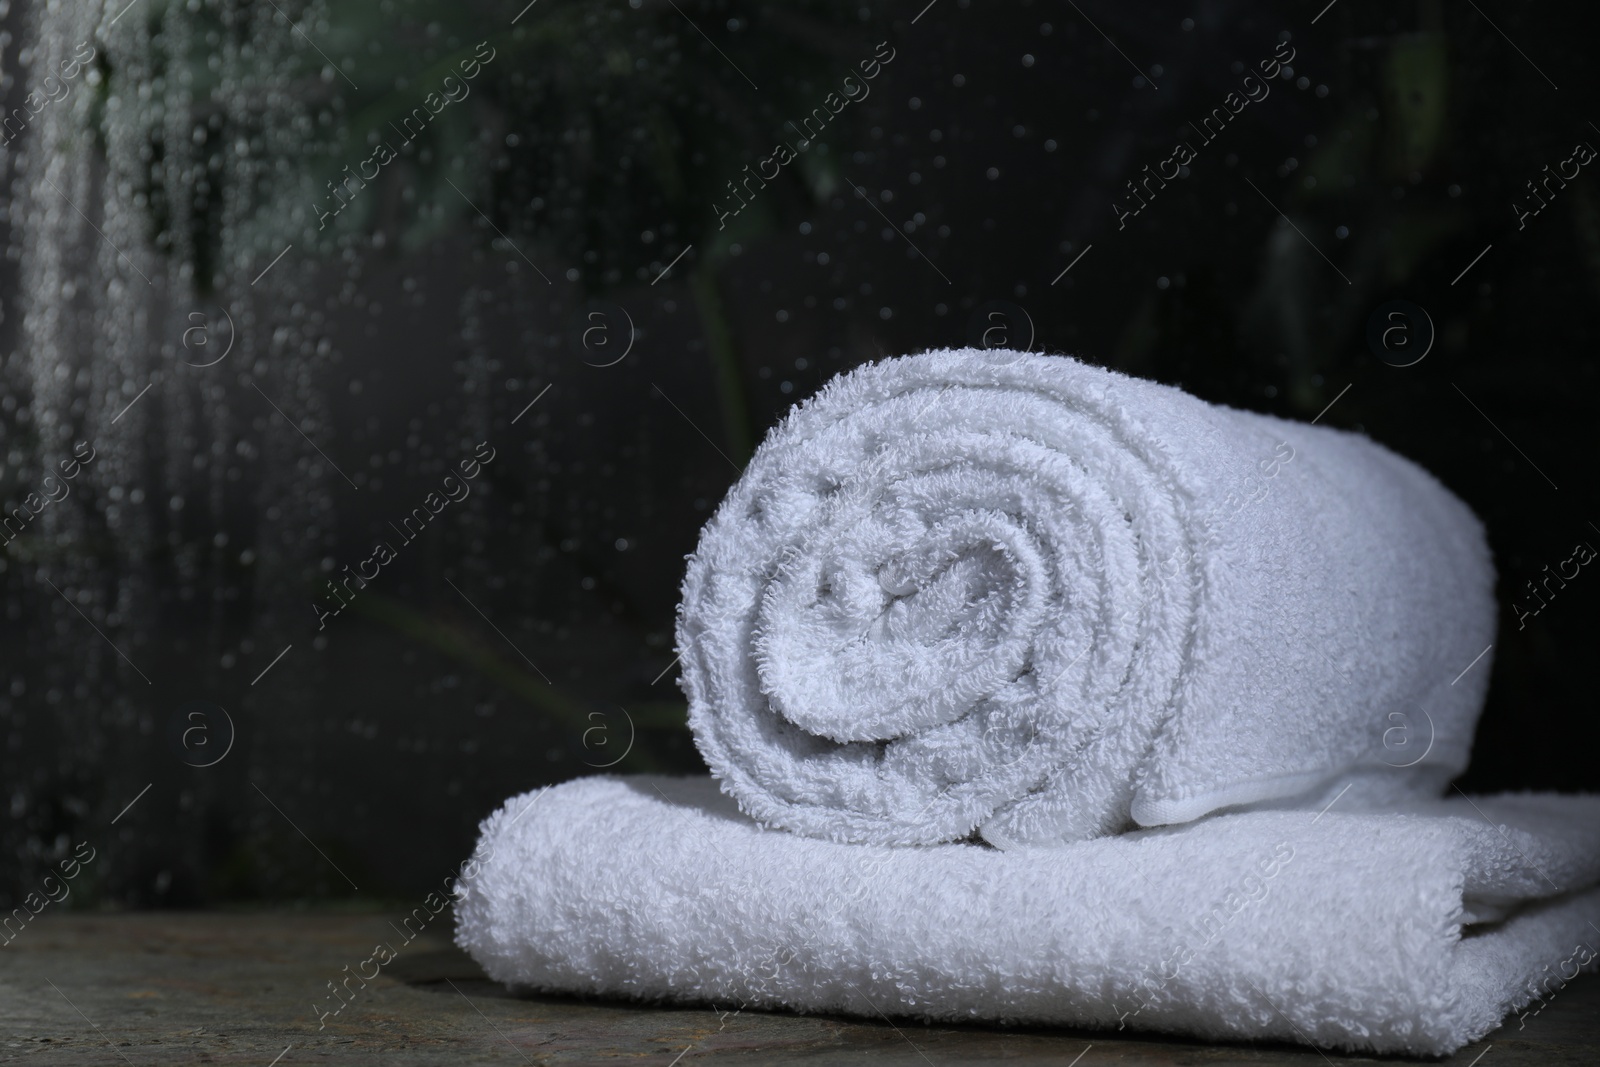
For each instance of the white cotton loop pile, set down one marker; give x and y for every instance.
(1337, 929)
(1024, 596)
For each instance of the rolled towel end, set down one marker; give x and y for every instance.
(1022, 595)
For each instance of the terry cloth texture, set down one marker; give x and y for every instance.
(1339, 929)
(1022, 595)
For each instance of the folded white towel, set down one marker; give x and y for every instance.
(1341, 930)
(1028, 596)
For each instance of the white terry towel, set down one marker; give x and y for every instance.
(1339, 929)
(1018, 594)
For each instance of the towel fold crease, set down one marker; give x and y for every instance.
(1344, 930)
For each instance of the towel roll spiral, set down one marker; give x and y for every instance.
(1024, 596)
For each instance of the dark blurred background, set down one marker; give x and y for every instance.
(269, 388)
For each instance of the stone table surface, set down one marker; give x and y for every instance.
(243, 988)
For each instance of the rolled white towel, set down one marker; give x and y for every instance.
(1022, 595)
(1339, 929)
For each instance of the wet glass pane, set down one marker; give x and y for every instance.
(369, 367)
